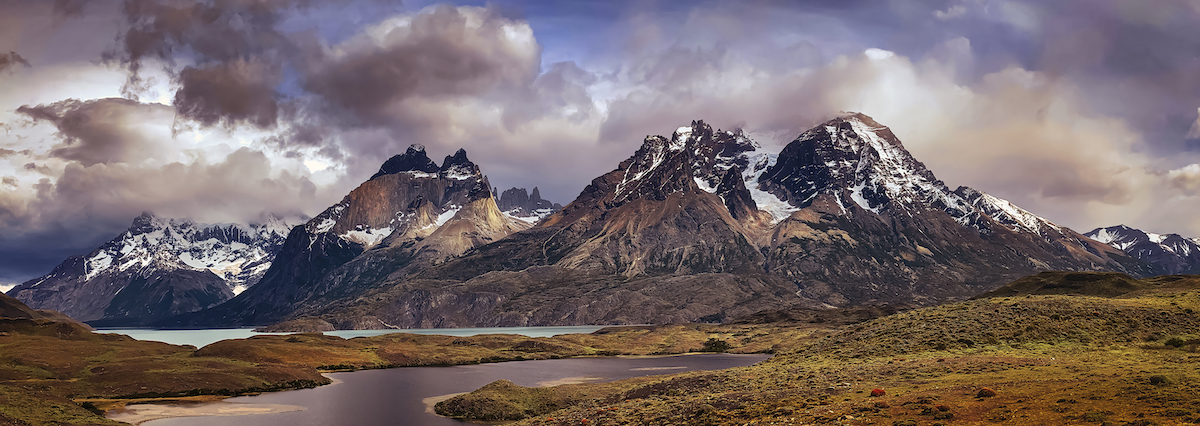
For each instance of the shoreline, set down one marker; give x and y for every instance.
(138, 414)
(433, 400)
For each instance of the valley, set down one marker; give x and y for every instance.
(1088, 355)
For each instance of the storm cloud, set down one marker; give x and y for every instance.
(232, 51)
(101, 131)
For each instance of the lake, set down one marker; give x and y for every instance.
(396, 396)
(200, 338)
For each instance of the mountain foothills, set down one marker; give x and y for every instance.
(1169, 254)
(703, 225)
(158, 268)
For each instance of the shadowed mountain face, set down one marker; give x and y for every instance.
(1170, 253)
(705, 226)
(411, 211)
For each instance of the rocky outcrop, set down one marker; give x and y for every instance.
(531, 207)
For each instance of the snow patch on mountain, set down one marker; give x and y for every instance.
(447, 215)
(459, 172)
(759, 162)
(367, 236)
(856, 195)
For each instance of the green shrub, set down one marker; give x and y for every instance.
(715, 345)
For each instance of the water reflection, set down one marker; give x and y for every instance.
(395, 396)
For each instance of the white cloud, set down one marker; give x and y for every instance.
(951, 13)
(1194, 132)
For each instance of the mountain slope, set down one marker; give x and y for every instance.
(411, 211)
(158, 268)
(1170, 253)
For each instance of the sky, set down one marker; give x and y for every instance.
(1086, 112)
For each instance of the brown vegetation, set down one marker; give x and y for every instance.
(1037, 359)
(1027, 359)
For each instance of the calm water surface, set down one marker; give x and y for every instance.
(199, 338)
(395, 396)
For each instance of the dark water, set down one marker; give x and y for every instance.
(395, 396)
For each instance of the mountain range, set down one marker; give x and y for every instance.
(1169, 253)
(159, 267)
(701, 225)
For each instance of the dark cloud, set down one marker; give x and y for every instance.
(229, 92)
(11, 60)
(237, 53)
(100, 131)
(446, 53)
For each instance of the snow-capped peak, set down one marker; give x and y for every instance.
(238, 253)
(1171, 253)
(694, 154)
(854, 153)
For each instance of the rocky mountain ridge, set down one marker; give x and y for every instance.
(412, 212)
(160, 267)
(704, 225)
(1169, 253)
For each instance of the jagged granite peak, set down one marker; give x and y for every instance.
(177, 264)
(413, 160)
(1170, 253)
(695, 157)
(520, 204)
(383, 225)
(457, 166)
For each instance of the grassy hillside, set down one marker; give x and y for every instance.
(1115, 357)
(1030, 359)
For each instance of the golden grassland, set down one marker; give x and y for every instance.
(1044, 360)
(1049, 359)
